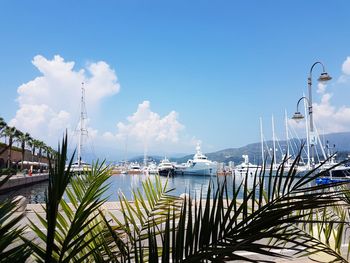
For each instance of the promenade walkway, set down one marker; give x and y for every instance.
(114, 208)
(21, 179)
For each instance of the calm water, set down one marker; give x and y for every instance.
(124, 183)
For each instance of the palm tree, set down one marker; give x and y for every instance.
(24, 138)
(76, 237)
(156, 227)
(34, 144)
(272, 214)
(41, 145)
(3, 124)
(12, 249)
(11, 133)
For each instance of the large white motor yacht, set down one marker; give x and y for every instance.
(200, 165)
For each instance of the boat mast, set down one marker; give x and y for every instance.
(274, 141)
(82, 128)
(145, 155)
(287, 132)
(262, 144)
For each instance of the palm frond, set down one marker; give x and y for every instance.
(219, 227)
(73, 228)
(12, 248)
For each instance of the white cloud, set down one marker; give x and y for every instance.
(345, 77)
(49, 103)
(321, 88)
(148, 128)
(329, 117)
(346, 66)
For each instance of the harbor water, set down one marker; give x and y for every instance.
(195, 185)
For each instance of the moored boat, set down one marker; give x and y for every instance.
(134, 168)
(199, 165)
(246, 167)
(166, 168)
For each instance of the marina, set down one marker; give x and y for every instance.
(125, 183)
(174, 131)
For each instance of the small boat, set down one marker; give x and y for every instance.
(200, 165)
(166, 168)
(339, 173)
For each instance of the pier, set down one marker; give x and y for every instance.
(20, 180)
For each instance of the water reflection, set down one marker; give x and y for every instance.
(34, 193)
(125, 183)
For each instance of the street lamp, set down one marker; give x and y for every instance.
(297, 115)
(324, 77)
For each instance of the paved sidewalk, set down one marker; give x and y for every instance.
(114, 208)
(20, 179)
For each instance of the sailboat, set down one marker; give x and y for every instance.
(79, 165)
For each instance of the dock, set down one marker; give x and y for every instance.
(19, 180)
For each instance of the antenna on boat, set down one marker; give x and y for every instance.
(82, 129)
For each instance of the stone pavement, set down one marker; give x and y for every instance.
(114, 208)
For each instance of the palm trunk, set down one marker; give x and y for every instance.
(6, 147)
(23, 152)
(9, 153)
(40, 160)
(33, 152)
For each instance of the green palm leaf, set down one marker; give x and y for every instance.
(12, 249)
(75, 231)
(264, 220)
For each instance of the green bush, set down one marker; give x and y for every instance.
(8, 171)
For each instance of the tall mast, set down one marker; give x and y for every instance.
(274, 141)
(287, 132)
(145, 155)
(82, 128)
(262, 144)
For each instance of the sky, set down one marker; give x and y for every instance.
(162, 75)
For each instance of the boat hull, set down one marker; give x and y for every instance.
(207, 171)
(166, 172)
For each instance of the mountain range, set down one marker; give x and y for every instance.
(337, 142)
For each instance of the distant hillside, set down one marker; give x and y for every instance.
(341, 141)
(253, 150)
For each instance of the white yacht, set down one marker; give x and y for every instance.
(340, 172)
(200, 165)
(246, 167)
(79, 167)
(152, 168)
(134, 168)
(166, 168)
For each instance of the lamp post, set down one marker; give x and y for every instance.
(298, 116)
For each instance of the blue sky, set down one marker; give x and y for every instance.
(219, 65)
